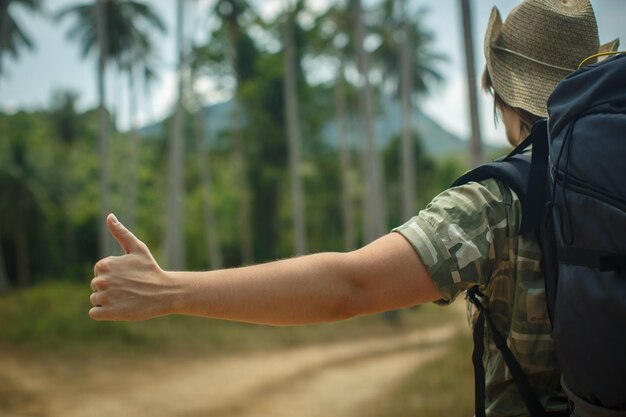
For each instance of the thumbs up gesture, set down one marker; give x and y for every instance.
(131, 286)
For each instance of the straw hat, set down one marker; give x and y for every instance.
(539, 43)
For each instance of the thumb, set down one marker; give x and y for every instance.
(124, 237)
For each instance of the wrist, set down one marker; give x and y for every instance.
(174, 299)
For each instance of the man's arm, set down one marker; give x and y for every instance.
(386, 274)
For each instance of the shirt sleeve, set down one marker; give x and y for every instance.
(464, 234)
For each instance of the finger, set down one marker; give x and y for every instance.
(102, 266)
(98, 284)
(94, 286)
(97, 313)
(97, 299)
(124, 237)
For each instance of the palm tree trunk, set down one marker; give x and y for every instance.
(4, 278)
(241, 166)
(103, 131)
(476, 149)
(132, 183)
(293, 136)
(21, 242)
(407, 149)
(344, 159)
(174, 243)
(374, 216)
(206, 182)
(1, 68)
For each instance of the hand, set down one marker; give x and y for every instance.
(131, 286)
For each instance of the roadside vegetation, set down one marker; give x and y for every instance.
(54, 317)
(443, 387)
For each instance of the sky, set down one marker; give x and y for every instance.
(56, 64)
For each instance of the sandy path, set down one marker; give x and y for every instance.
(332, 379)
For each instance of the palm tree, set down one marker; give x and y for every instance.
(407, 154)
(93, 25)
(137, 63)
(113, 28)
(230, 13)
(5, 285)
(201, 62)
(12, 37)
(4, 277)
(23, 195)
(476, 149)
(292, 117)
(374, 214)
(405, 59)
(174, 242)
(331, 38)
(68, 126)
(206, 181)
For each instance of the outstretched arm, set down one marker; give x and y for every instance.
(384, 275)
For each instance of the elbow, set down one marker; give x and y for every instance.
(355, 303)
(357, 297)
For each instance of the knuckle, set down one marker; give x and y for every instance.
(102, 298)
(105, 264)
(93, 299)
(102, 265)
(143, 247)
(99, 284)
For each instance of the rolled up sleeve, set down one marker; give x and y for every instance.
(463, 234)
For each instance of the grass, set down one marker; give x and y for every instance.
(50, 323)
(54, 317)
(443, 387)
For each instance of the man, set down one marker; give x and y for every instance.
(467, 236)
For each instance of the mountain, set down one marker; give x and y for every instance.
(436, 140)
(388, 124)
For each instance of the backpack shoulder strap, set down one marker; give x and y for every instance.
(527, 176)
(535, 409)
(524, 174)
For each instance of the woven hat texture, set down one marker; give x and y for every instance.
(539, 43)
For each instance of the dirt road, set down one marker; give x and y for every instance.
(337, 379)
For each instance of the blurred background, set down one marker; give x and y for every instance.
(224, 133)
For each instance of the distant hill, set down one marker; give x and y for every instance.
(436, 140)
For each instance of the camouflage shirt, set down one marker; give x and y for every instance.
(468, 235)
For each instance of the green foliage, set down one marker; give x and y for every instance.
(49, 163)
(49, 191)
(432, 176)
(54, 316)
(126, 24)
(13, 38)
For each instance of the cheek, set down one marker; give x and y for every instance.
(511, 126)
(511, 134)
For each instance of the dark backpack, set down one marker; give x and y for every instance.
(573, 195)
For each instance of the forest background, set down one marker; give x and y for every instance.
(285, 165)
(224, 133)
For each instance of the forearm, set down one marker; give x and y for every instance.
(310, 289)
(384, 275)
